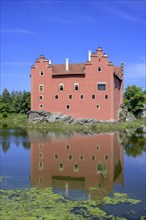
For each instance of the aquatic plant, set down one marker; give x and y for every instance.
(32, 204)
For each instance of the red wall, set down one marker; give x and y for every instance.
(87, 86)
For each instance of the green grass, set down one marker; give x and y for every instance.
(21, 121)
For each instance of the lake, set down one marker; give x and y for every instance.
(79, 166)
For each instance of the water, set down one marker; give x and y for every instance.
(78, 166)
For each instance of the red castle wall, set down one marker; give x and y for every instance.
(87, 76)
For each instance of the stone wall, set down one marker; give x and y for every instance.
(42, 116)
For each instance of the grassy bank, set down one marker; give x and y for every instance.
(21, 121)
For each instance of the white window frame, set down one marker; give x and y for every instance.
(71, 96)
(98, 107)
(76, 84)
(82, 98)
(61, 84)
(41, 146)
(41, 155)
(67, 105)
(57, 156)
(40, 165)
(92, 97)
(41, 71)
(55, 96)
(40, 98)
(107, 96)
(98, 146)
(104, 83)
(76, 169)
(40, 106)
(71, 157)
(93, 155)
(41, 85)
(100, 69)
(67, 146)
(81, 155)
(61, 168)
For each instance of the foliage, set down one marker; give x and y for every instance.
(134, 142)
(21, 121)
(134, 100)
(15, 102)
(41, 204)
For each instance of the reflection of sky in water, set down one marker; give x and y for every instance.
(15, 167)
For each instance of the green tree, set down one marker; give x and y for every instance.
(134, 100)
(16, 101)
(5, 102)
(25, 102)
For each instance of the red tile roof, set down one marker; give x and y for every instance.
(60, 69)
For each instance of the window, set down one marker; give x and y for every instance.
(67, 146)
(41, 106)
(99, 68)
(76, 86)
(41, 155)
(40, 165)
(41, 87)
(61, 166)
(106, 97)
(93, 96)
(40, 180)
(56, 96)
(56, 156)
(101, 168)
(69, 96)
(41, 72)
(93, 157)
(101, 86)
(61, 87)
(81, 157)
(81, 96)
(41, 146)
(70, 157)
(106, 157)
(98, 106)
(97, 147)
(40, 97)
(76, 167)
(67, 106)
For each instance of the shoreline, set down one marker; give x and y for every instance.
(21, 121)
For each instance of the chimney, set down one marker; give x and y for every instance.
(67, 63)
(89, 55)
(49, 61)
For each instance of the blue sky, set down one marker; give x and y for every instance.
(60, 29)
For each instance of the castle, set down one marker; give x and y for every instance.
(93, 89)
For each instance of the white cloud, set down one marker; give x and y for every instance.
(17, 31)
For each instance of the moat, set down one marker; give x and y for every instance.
(78, 167)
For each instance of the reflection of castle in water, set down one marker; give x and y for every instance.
(77, 162)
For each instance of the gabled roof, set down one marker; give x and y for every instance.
(60, 69)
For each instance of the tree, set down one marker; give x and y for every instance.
(134, 100)
(25, 102)
(14, 102)
(5, 102)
